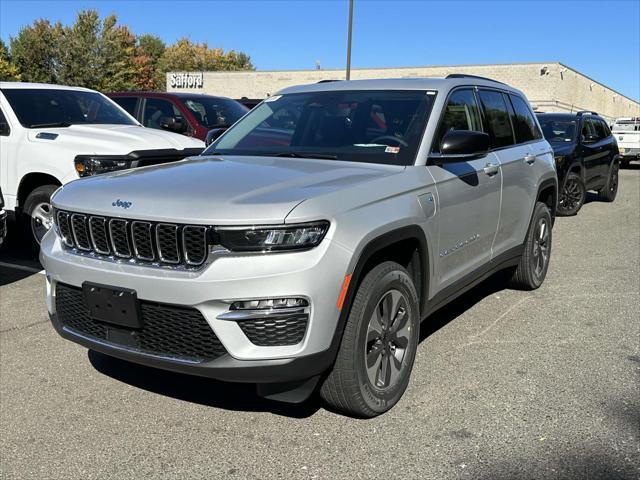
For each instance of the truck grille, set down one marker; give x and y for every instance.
(165, 244)
(168, 331)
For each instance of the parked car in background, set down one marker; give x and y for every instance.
(52, 134)
(305, 251)
(627, 133)
(3, 219)
(586, 155)
(190, 114)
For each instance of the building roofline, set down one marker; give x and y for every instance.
(599, 83)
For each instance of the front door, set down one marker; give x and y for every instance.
(468, 197)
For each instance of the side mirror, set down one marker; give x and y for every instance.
(462, 145)
(213, 134)
(173, 124)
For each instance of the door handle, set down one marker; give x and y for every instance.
(490, 169)
(530, 159)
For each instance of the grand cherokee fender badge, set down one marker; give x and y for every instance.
(121, 203)
(459, 245)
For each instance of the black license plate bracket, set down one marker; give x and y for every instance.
(113, 305)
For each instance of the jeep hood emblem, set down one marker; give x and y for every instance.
(121, 203)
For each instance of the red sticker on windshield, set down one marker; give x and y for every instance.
(392, 150)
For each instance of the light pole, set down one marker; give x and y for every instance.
(349, 40)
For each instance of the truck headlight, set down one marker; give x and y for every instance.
(87, 165)
(276, 238)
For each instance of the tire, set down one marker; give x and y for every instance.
(351, 388)
(610, 190)
(625, 163)
(572, 196)
(534, 263)
(37, 214)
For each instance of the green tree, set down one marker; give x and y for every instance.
(80, 60)
(8, 70)
(34, 52)
(116, 52)
(150, 49)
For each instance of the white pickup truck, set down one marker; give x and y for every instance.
(627, 133)
(52, 134)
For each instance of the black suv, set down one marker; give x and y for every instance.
(586, 155)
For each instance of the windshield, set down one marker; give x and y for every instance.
(626, 126)
(558, 129)
(60, 108)
(212, 112)
(358, 126)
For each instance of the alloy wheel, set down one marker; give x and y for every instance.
(388, 335)
(41, 220)
(571, 196)
(541, 246)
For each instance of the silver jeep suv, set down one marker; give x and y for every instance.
(304, 247)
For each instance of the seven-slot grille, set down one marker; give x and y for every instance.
(167, 244)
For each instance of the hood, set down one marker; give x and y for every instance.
(215, 190)
(111, 139)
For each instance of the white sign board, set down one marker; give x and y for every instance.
(185, 80)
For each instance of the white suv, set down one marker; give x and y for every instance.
(52, 134)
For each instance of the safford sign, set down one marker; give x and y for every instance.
(185, 80)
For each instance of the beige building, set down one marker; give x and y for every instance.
(550, 87)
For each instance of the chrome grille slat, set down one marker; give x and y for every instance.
(168, 245)
(98, 234)
(64, 227)
(194, 241)
(142, 240)
(119, 235)
(80, 231)
(167, 241)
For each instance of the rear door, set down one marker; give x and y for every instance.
(516, 142)
(468, 196)
(593, 150)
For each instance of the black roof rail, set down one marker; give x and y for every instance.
(586, 112)
(477, 77)
(329, 80)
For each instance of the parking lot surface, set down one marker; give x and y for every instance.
(506, 385)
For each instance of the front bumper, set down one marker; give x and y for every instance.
(627, 153)
(315, 274)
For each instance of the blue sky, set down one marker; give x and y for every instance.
(599, 38)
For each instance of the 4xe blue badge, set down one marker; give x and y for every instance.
(121, 203)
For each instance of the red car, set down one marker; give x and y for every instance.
(191, 114)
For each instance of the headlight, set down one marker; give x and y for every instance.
(267, 239)
(87, 165)
(559, 159)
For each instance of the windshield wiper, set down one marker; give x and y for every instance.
(50, 125)
(324, 156)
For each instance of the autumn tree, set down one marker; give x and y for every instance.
(149, 50)
(34, 52)
(8, 70)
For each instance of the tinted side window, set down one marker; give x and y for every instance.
(523, 122)
(461, 113)
(599, 128)
(4, 125)
(156, 110)
(588, 132)
(497, 115)
(606, 129)
(128, 103)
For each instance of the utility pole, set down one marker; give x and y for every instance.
(349, 40)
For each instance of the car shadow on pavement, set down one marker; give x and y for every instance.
(464, 302)
(200, 390)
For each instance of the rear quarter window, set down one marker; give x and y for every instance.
(497, 115)
(524, 124)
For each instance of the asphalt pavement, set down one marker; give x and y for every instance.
(506, 385)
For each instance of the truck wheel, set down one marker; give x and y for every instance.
(378, 346)
(610, 190)
(572, 196)
(532, 269)
(624, 163)
(38, 213)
